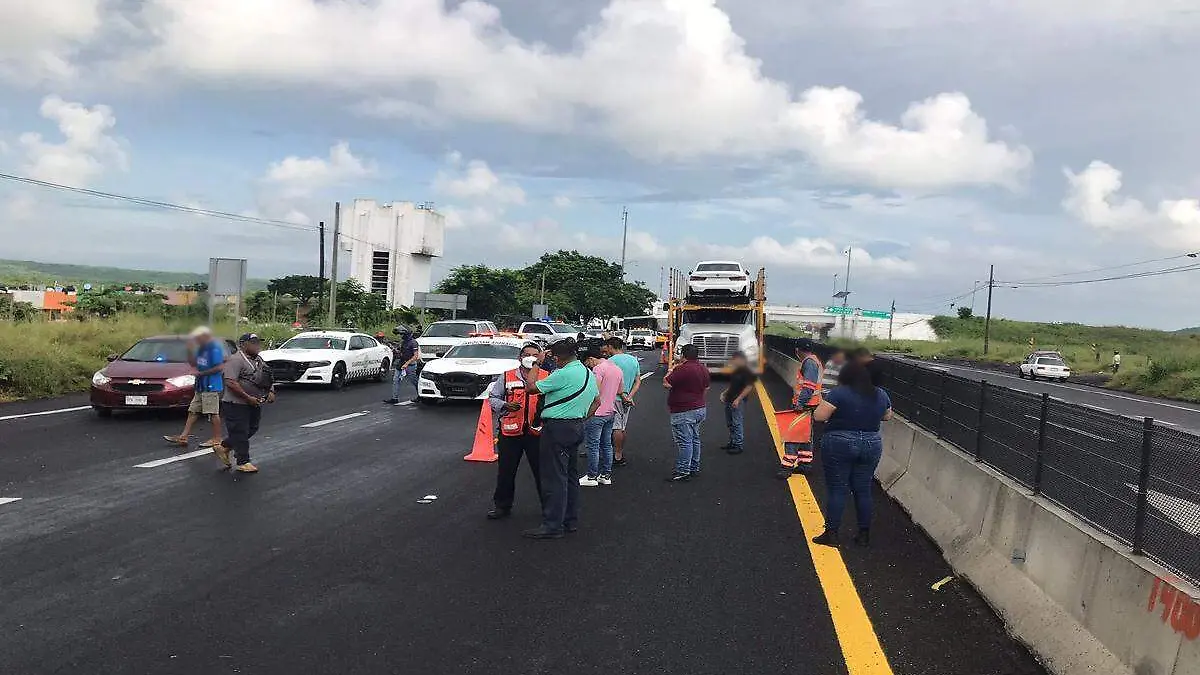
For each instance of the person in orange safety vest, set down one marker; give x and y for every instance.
(520, 428)
(797, 436)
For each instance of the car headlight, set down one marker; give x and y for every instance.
(183, 381)
(100, 379)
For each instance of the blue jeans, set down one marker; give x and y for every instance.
(733, 420)
(685, 426)
(399, 377)
(597, 431)
(849, 459)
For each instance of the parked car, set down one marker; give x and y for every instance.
(152, 374)
(438, 338)
(468, 369)
(1049, 365)
(719, 280)
(641, 338)
(546, 332)
(329, 357)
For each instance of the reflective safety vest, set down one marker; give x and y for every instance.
(520, 421)
(802, 384)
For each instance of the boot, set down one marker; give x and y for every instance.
(785, 472)
(863, 538)
(827, 538)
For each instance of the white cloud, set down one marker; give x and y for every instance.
(38, 40)
(1092, 197)
(398, 109)
(476, 181)
(562, 201)
(296, 176)
(667, 79)
(86, 151)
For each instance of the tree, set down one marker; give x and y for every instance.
(965, 313)
(490, 292)
(19, 312)
(302, 287)
(589, 285)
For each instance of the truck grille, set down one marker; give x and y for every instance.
(716, 347)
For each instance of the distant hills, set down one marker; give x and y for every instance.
(18, 272)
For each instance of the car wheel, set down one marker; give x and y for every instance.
(103, 412)
(383, 368)
(338, 380)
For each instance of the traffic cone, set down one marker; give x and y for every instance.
(484, 449)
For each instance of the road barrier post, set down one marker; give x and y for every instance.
(941, 405)
(1040, 460)
(1139, 522)
(983, 385)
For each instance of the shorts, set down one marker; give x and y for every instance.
(206, 403)
(621, 415)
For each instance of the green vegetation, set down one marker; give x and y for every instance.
(18, 272)
(1153, 362)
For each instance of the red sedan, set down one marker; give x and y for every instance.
(152, 374)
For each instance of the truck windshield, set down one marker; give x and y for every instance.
(718, 316)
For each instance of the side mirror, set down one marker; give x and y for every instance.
(112, 357)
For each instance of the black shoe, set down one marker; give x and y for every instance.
(498, 513)
(827, 538)
(784, 472)
(583, 454)
(570, 529)
(542, 533)
(391, 401)
(728, 446)
(679, 477)
(620, 462)
(863, 538)
(734, 450)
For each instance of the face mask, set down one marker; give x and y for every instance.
(528, 361)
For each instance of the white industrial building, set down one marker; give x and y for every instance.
(391, 247)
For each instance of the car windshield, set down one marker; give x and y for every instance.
(454, 330)
(1050, 361)
(484, 352)
(162, 351)
(312, 342)
(718, 267)
(564, 328)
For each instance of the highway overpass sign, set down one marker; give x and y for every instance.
(876, 314)
(839, 310)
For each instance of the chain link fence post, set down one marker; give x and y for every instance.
(1040, 458)
(1143, 498)
(983, 385)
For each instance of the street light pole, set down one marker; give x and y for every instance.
(846, 290)
(624, 238)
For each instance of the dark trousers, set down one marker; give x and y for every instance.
(560, 441)
(511, 448)
(241, 423)
(850, 459)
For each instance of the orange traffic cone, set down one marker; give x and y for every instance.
(484, 449)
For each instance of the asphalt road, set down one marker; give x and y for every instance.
(326, 562)
(1183, 416)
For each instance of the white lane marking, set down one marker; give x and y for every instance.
(643, 377)
(45, 412)
(403, 403)
(1090, 390)
(177, 458)
(1180, 511)
(342, 418)
(9, 500)
(1095, 407)
(1073, 429)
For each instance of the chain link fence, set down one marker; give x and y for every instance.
(1132, 479)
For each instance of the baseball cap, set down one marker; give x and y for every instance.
(249, 337)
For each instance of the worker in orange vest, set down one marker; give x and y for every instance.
(520, 429)
(798, 435)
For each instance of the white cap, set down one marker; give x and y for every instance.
(200, 331)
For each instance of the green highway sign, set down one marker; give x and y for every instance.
(876, 314)
(839, 310)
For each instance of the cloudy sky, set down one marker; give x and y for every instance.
(934, 137)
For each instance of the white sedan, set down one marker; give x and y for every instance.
(330, 358)
(1046, 365)
(468, 369)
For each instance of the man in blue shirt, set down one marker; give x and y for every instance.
(208, 357)
(406, 361)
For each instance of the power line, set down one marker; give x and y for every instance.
(1136, 275)
(1101, 269)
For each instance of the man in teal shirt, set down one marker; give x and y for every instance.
(569, 396)
(614, 349)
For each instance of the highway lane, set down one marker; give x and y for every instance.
(1183, 416)
(326, 562)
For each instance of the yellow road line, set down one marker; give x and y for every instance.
(859, 643)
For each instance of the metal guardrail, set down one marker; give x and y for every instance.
(1137, 481)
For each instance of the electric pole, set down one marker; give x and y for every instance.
(987, 322)
(333, 263)
(321, 264)
(891, 320)
(846, 290)
(624, 237)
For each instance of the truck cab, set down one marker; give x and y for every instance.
(718, 334)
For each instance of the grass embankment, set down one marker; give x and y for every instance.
(1153, 362)
(43, 359)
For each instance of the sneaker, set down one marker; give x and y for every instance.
(679, 477)
(604, 479)
(498, 513)
(391, 401)
(735, 450)
(728, 446)
(588, 481)
(181, 441)
(827, 538)
(247, 468)
(542, 533)
(621, 461)
(222, 453)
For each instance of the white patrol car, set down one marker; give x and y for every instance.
(439, 337)
(329, 357)
(468, 369)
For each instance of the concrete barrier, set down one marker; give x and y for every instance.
(1078, 598)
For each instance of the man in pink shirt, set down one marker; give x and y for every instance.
(598, 429)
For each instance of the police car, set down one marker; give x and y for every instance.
(468, 369)
(329, 357)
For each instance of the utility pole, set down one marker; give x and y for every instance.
(624, 237)
(891, 320)
(846, 290)
(662, 270)
(543, 300)
(333, 263)
(987, 322)
(321, 264)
